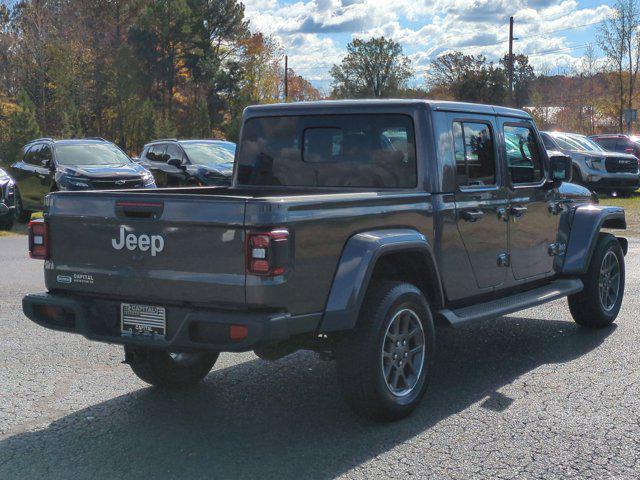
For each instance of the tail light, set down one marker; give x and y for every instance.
(38, 240)
(268, 252)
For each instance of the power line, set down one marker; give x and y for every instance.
(556, 50)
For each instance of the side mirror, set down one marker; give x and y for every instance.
(176, 162)
(46, 163)
(560, 169)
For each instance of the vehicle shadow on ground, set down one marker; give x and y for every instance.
(284, 419)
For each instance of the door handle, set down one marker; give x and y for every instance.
(518, 211)
(472, 215)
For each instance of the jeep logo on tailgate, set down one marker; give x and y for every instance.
(144, 243)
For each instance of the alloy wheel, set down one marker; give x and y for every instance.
(403, 353)
(609, 281)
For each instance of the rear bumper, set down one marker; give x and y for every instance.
(188, 329)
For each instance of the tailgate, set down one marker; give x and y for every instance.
(156, 247)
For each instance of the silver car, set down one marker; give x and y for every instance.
(594, 167)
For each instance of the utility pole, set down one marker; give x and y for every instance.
(511, 61)
(286, 78)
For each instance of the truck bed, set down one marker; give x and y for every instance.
(203, 233)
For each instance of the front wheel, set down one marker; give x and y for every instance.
(168, 369)
(384, 364)
(598, 305)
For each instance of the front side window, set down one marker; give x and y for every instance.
(474, 154)
(362, 151)
(32, 155)
(523, 155)
(548, 143)
(156, 152)
(174, 151)
(46, 156)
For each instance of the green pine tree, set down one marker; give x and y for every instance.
(22, 127)
(165, 128)
(201, 127)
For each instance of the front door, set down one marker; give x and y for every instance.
(533, 222)
(481, 200)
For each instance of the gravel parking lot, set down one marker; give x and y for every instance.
(526, 396)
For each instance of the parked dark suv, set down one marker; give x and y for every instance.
(49, 165)
(619, 143)
(189, 162)
(6, 200)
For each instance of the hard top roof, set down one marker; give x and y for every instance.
(301, 108)
(190, 140)
(69, 141)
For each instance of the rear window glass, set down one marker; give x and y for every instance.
(367, 151)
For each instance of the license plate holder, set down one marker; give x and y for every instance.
(143, 321)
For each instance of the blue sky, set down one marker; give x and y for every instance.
(314, 33)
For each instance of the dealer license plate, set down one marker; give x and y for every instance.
(144, 320)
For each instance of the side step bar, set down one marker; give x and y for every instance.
(520, 301)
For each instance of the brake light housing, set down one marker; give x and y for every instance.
(39, 239)
(268, 252)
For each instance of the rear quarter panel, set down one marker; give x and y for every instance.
(320, 227)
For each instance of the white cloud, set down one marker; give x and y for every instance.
(315, 32)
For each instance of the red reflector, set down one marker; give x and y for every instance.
(238, 332)
(260, 266)
(260, 241)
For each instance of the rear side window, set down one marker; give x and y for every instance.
(474, 154)
(364, 151)
(523, 155)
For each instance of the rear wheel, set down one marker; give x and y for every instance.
(6, 222)
(384, 364)
(599, 303)
(19, 213)
(169, 369)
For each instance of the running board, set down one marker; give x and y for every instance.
(513, 303)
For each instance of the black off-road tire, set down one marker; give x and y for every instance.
(587, 307)
(172, 371)
(359, 354)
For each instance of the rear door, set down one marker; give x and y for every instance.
(534, 224)
(481, 199)
(161, 248)
(33, 177)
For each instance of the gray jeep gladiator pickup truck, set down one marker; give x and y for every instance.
(350, 228)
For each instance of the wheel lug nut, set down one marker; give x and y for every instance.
(406, 354)
(404, 342)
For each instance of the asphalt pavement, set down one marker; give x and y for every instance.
(529, 395)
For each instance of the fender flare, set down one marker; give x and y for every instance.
(585, 227)
(356, 265)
